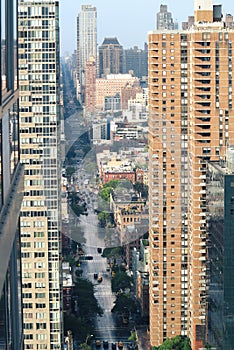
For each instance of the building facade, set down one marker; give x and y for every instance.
(86, 44)
(165, 19)
(11, 185)
(135, 60)
(220, 210)
(90, 87)
(110, 57)
(190, 123)
(128, 92)
(39, 95)
(112, 85)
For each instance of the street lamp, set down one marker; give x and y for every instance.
(88, 338)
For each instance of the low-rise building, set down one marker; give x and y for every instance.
(110, 86)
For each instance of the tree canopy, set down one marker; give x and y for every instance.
(79, 326)
(120, 281)
(112, 252)
(177, 343)
(87, 303)
(123, 302)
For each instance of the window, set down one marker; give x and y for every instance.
(39, 265)
(39, 234)
(28, 326)
(40, 295)
(39, 255)
(39, 274)
(28, 336)
(39, 244)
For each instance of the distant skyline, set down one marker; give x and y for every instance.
(128, 20)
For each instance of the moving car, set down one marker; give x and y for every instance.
(95, 275)
(98, 343)
(99, 279)
(99, 250)
(120, 345)
(105, 344)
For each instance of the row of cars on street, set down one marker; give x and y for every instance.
(105, 344)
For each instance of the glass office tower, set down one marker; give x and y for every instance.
(39, 90)
(11, 185)
(220, 210)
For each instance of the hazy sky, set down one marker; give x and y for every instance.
(128, 20)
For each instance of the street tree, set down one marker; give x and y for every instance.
(125, 302)
(120, 281)
(87, 303)
(177, 343)
(79, 326)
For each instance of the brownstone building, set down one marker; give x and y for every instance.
(118, 175)
(191, 121)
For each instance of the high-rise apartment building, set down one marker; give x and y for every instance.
(165, 19)
(39, 94)
(191, 122)
(189, 23)
(136, 60)
(110, 57)
(86, 44)
(229, 22)
(11, 185)
(90, 87)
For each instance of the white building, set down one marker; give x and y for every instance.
(86, 43)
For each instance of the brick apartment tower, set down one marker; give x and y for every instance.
(90, 86)
(191, 121)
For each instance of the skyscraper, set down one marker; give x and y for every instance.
(220, 209)
(191, 122)
(90, 87)
(11, 185)
(165, 20)
(39, 90)
(110, 57)
(86, 44)
(136, 60)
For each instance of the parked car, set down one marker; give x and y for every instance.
(95, 276)
(99, 279)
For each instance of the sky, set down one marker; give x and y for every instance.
(128, 20)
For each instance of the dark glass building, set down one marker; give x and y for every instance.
(11, 185)
(220, 200)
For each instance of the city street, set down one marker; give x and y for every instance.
(85, 230)
(106, 327)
